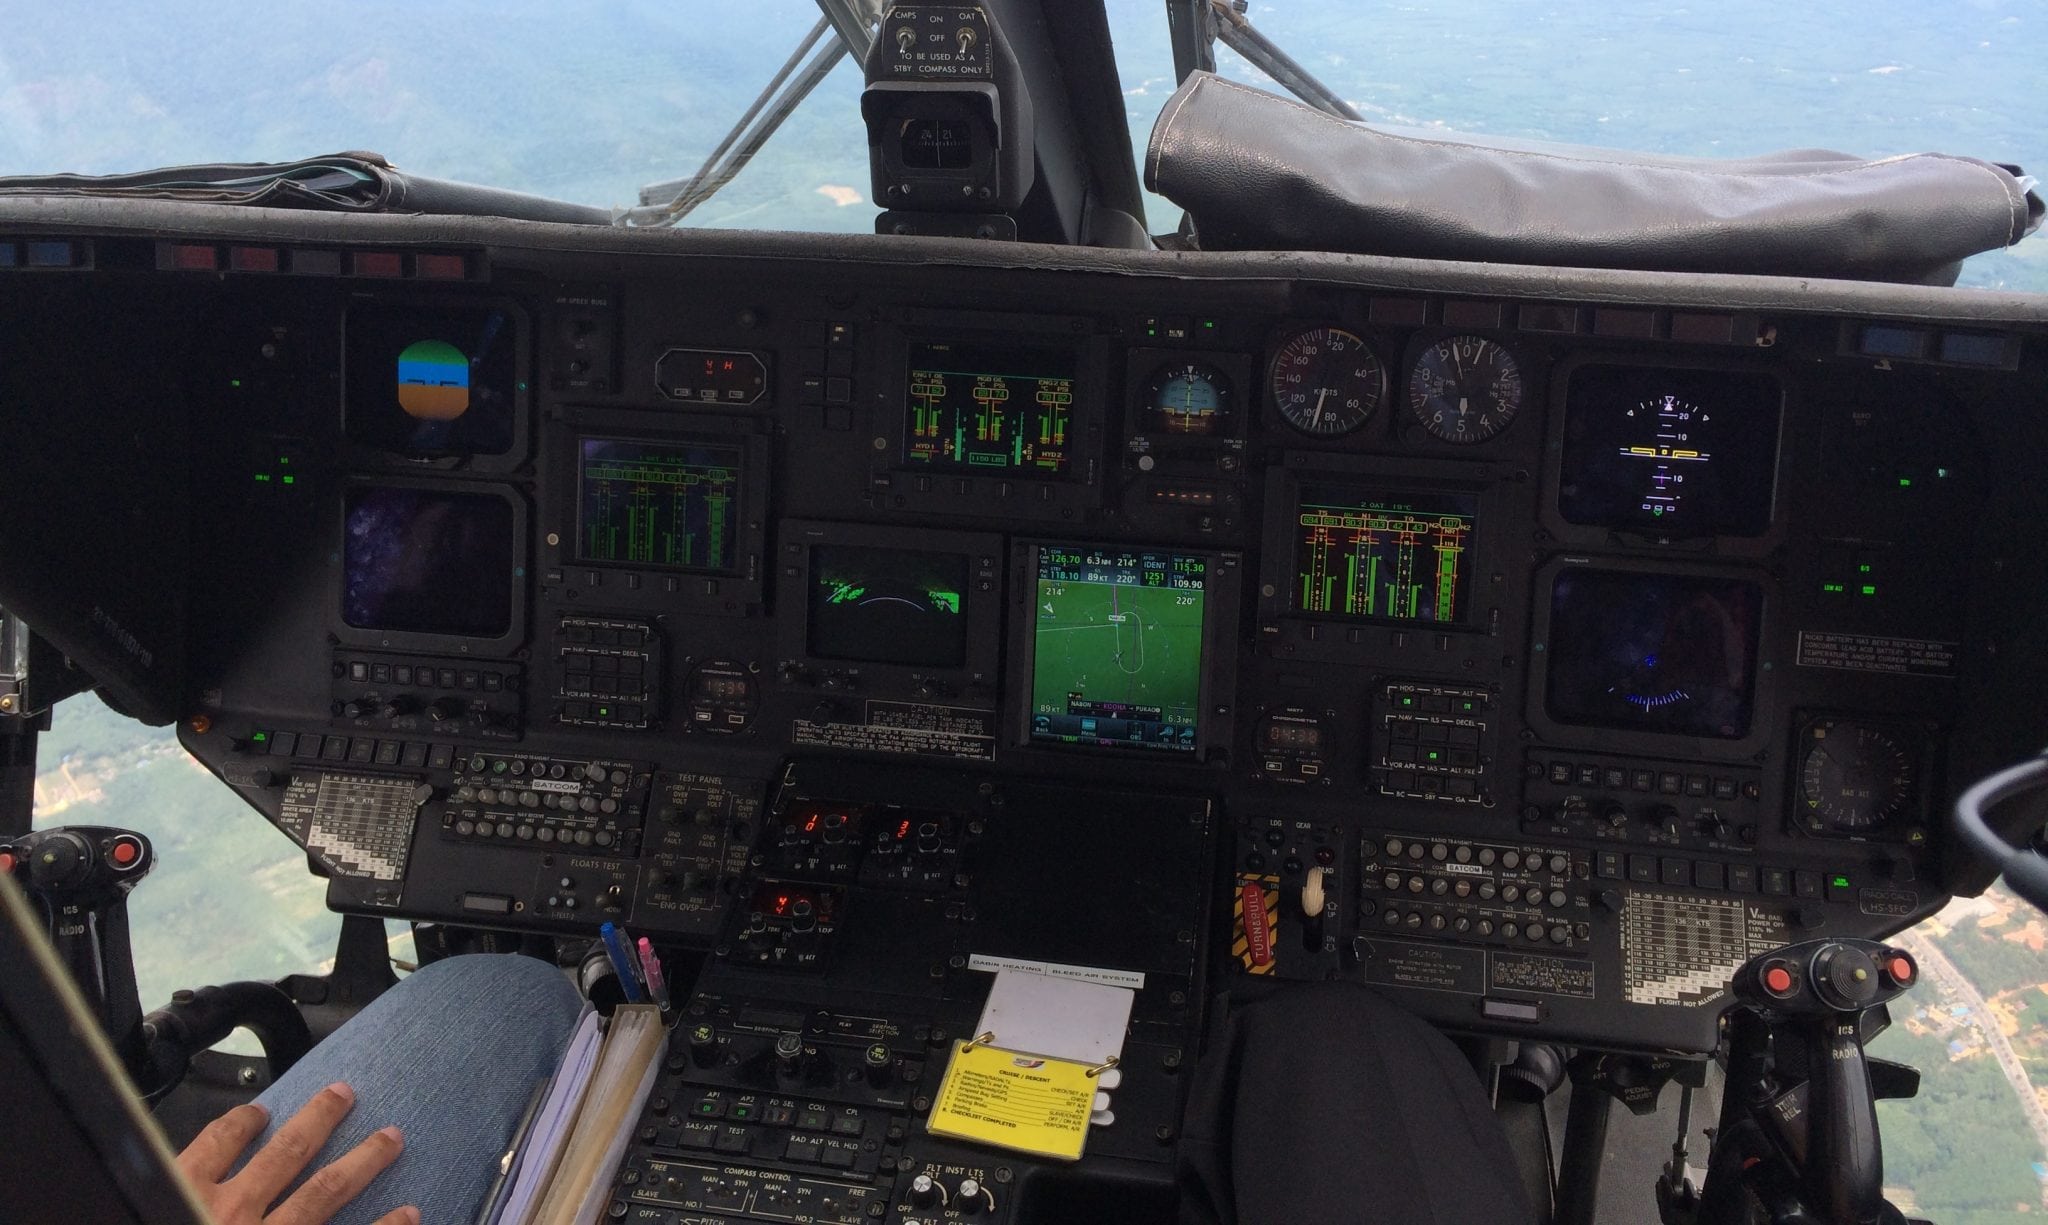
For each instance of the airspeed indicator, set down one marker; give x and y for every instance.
(1326, 382)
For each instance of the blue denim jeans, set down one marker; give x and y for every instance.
(451, 1055)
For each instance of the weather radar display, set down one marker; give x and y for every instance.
(888, 606)
(1117, 648)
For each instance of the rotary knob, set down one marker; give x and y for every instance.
(880, 1064)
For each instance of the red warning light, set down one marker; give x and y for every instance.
(903, 830)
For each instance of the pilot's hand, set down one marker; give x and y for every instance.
(245, 1198)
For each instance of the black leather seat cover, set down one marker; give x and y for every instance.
(1260, 172)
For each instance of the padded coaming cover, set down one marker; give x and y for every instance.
(339, 182)
(1260, 172)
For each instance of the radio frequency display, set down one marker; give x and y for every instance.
(668, 506)
(1390, 557)
(1117, 647)
(987, 409)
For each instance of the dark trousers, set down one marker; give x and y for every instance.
(1325, 1103)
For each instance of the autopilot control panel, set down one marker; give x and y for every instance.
(1535, 656)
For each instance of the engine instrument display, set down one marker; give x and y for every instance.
(1326, 382)
(427, 561)
(1117, 647)
(890, 606)
(431, 383)
(1654, 652)
(1380, 555)
(989, 408)
(1855, 778)
(1465, 389)
(1675, 452)
(1188, 398)
(659, 505)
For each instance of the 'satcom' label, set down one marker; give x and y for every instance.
(1873, 653)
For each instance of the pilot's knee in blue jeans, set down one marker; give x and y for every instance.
(451, 1056)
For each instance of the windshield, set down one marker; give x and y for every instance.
(590, 103)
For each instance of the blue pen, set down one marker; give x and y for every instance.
(622, 964)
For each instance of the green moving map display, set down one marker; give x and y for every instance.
(1117, 647)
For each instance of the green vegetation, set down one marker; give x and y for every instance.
(230, 897)
(1962, 1147)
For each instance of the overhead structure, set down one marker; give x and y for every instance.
(1196, 25)
(850, 25)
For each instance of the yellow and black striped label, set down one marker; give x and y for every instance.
(1255, 922)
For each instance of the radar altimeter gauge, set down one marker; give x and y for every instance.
(1187, 398)
(1855, 779)
(1326, 382)
(1465, 389)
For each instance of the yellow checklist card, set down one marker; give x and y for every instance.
(1014, 1100)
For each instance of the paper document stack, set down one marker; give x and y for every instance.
(560, 1169)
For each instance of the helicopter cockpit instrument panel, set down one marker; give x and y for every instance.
(1536, 650)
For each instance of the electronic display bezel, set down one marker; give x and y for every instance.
(416, 640)
(1579, 535)
(630, 586)
(1221, 598)
(362, 454)
(903, 485)
(973, 683)
(1023, 357)
(1766, 714)
(583, 440)
(1463, 582)
(1424, 645)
